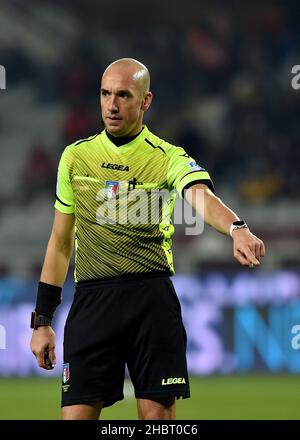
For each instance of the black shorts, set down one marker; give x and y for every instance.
(113, 323)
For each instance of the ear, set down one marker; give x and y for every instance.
(147, 101)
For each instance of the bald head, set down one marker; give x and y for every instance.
(133, 70)
(125, 96)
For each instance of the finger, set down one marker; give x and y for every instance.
(241, 258)
(250, 256)
(257, 250)
(41, 360)
(47, 361)
(262, 249)
(52, 356)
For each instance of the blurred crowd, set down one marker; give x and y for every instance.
(221, 84)
(221, 80)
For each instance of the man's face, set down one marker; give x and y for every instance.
(122, 102)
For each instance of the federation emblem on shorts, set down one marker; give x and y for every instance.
(66, 372)
(111, 188)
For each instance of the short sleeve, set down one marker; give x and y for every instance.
(183, 171)
(65, 201)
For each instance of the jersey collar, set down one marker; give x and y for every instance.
(125, 147)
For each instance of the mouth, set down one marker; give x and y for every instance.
(113, 118)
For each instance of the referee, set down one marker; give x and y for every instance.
(125, 309)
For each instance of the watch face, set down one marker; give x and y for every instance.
(239, 223)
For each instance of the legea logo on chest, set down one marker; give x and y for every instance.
(115, 166)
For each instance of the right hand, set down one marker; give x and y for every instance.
(43, 341)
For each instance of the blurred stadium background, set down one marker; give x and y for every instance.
(221, 78)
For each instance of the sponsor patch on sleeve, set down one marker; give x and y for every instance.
(194, 166)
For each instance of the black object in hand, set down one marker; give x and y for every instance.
(47, 361)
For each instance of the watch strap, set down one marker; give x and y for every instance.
(239, 224)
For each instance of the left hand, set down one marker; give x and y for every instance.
(247, 248)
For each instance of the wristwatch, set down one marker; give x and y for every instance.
(239, 224)
(39, 320)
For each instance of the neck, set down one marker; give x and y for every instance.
(122, 140)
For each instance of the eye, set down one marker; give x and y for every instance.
(123, 94)
(104, 92)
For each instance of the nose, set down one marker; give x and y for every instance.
(113, 104)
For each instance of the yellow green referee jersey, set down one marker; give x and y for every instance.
(121, 197)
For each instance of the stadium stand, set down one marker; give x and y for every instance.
(222, 91)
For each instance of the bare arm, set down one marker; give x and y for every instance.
(54, 271)
(59, 249)
(247, 248)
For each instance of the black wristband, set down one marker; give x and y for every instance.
(47, 300)
(39, 320)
